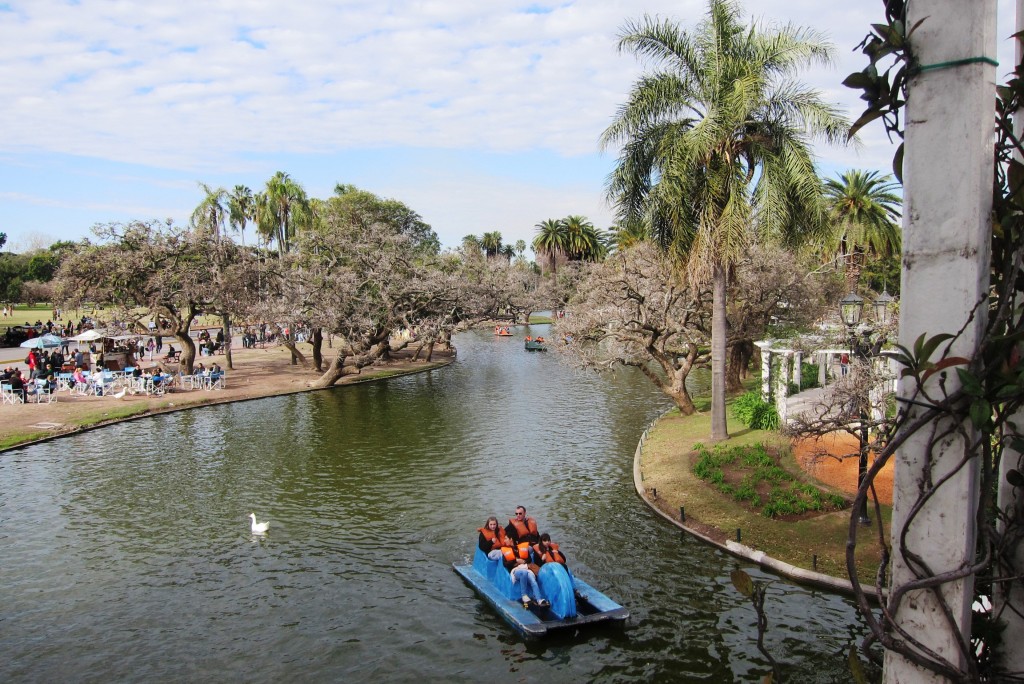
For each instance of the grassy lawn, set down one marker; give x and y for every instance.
(667, 465)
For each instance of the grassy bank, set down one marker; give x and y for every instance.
(667, 461)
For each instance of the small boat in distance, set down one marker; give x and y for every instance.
(535, 344)
(502, 331)
(573, 602)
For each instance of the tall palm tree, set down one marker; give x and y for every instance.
(550, 241)
(241, 209)
(583, 241)
(282, 208)
(626, 235)
(210, 213)
(491, 242)
(864, 215)
(716, 134)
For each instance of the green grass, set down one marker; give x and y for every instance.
(667, 465)
(12, 440)
(764, 486)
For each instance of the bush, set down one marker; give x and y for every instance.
(755, 413)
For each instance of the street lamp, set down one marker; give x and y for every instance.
(883, 307)
(850, 308)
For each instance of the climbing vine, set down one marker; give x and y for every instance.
(982, 411)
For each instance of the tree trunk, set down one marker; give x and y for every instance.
(297, 356)
(225, 321)
(740, 353)
(719, 426)
(188, 350)
(854, 265)
(318, 355)
(333, 374)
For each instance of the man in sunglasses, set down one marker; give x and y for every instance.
(522, 528)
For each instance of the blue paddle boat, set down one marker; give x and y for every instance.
(574, 603)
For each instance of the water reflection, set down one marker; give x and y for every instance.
(128, 553)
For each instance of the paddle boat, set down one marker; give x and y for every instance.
(535, 344)
(502, 331)
(574, 603)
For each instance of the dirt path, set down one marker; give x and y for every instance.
(833, 460)
(257, 373)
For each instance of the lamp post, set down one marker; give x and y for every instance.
(850, 309)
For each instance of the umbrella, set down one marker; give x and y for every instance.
(48, 341)
(88, 336)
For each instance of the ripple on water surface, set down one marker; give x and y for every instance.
(127, 553)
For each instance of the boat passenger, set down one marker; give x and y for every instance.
(529, 339)
(523, 576)
(492, 539)
(522, 528)
(546, 551)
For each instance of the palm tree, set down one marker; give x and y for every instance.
(241, 209)
(550, 241)
(626, 235)
(716, 134)
(281, 210)
(210, 213)
(491, 243)
(864, 214)
(583, 241)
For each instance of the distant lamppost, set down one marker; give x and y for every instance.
(850, 309)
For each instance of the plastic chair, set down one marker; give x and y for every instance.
(8, 395)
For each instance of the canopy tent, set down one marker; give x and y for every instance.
(88, 336)
(43, 341)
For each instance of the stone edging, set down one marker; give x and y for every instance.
(801, 575)
(150, 413)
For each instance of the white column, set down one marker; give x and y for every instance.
(947, 199)
(782, 386)
(1009, 501)
(766, 373)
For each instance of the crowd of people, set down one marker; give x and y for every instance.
(523, 550)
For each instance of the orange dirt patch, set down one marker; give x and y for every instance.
(832, 459)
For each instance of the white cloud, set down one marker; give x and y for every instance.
(201, 88)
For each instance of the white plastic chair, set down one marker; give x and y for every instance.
(8, 395)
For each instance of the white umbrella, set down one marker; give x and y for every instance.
(48, 341)
(88, 336)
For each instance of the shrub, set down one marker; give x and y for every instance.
(755, 413)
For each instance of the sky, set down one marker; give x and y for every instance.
(481, 115)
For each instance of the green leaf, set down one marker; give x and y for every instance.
(981, 413)
(1014, 478)
(742, 582)
(858, 81)
(971, 384)
(856, 669)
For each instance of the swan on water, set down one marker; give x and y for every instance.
(258, 527)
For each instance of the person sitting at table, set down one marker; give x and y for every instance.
(137, 372)
(158, 377)
(98, 379)
(200, 370)
(215, 369)
(17, 383)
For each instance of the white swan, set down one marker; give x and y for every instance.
(258, 527)
(120, 395)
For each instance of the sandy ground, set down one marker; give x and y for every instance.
(833, 460)
(256, 373)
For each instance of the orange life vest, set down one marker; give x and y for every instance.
(526, 527)
(551, 554)
(497, 538)
(522, 551)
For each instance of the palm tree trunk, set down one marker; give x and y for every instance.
(854, 265)
(719, 331)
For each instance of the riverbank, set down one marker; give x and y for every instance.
(810, 549)
(257, 373)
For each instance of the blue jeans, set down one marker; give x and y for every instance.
(523, 577)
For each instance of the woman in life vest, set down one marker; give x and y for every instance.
(493, 539)
(546, 551)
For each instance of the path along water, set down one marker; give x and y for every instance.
(125, 553)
